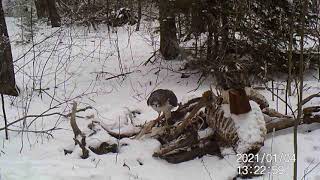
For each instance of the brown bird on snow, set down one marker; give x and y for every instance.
(163, 100)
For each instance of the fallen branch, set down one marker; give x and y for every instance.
(77, 132)
(114, 134)
(82, 144)
(309, 98)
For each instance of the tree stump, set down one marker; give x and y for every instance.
(239, 101)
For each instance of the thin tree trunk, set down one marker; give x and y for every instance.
(210, 38)
(298, 120)
(179, 27)
(319, 58)
(216, 39)
(225, 25)
(53, 13)
(108, 15)
(4, 117)
(209, 46)
(139, 15)
(290, 53)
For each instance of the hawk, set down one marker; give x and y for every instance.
(163, 100)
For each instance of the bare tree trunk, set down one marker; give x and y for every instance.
(108, 14)
(139, 15)
(53, 13)
(169, 47)
(41, 7)
(210, 38)
(319, 59)
(225, 25)
(215, 38)
(304, 4)
(290, 53)
(7, 79)
(4, 117)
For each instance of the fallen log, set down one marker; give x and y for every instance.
(309, 98)
(273, 113)
(280, 123)
(311, 110)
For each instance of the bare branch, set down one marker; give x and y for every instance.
(45, 115)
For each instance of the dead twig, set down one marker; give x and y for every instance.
(119, 75)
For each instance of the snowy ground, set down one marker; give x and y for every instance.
(68, 65)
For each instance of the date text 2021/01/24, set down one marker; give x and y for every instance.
(265, 157)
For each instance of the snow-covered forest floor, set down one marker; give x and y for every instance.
(73, 64)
